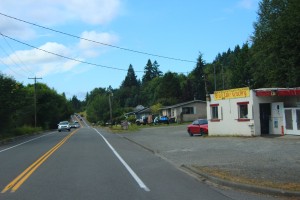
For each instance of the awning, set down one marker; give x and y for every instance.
(267, 92)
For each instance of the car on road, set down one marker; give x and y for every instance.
(64, 125)
(198, 127)
(74, 124)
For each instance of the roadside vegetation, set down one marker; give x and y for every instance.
(269, 59)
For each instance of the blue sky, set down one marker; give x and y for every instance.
(177, 29)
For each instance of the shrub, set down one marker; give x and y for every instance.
(26, 130)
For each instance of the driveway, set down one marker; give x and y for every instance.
(272, 162)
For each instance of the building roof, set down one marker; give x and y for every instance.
(182, 104)
(142, 110)
(266, 92)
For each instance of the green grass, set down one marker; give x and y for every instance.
(134, 127)
(24, 130)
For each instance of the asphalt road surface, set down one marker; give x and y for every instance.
(90, 163)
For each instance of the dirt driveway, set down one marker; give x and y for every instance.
(264, 161)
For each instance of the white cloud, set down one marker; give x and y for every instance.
(54, 12)
(93, 11)
(43, 63)
(58, 11)
(35, 56)
(248, 4)
(91, 48)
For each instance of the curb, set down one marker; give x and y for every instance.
(242, 186)
(218, 181)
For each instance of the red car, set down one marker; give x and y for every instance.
(198, 127)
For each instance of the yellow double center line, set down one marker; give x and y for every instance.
(19, 180)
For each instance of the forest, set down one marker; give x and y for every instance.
(269, 59)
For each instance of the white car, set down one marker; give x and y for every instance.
(77, 125)
(64, 125)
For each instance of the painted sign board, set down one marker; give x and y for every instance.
(232, 93)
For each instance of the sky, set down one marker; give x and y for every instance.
(74, 46)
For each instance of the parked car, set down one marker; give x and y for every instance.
(198, 127)
(143, 120)
(163, 120)
(64, 125)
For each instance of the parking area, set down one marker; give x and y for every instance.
(266, 159)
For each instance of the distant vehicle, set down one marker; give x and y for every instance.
(77, 125)
(74, 124)
(164, 120)
(64, 125)
(198, 127)
(143, 120)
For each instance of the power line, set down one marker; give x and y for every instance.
(65, 57)
(117, 47)
(11, 48)
(11, 69)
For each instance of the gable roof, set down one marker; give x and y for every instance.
(143, 110)
(183, 104)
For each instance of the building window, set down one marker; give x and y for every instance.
(214, 112)
(243, 111)
(188, 110)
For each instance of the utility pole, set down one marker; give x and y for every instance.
(35, 78)
(110, 106)
(215, 80)
(223, 76)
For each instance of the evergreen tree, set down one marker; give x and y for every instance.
(148, 72)
(151, 71)
(156, 71)
(197, 77)
(276, 44)
(168, 91)
(130, 79)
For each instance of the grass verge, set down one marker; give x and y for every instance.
(226, 175)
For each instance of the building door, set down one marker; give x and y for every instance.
(292, 121)
(265, 113)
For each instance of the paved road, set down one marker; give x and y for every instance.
(92, 164)
(267, 159)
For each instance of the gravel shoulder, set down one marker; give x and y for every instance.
(272, 162)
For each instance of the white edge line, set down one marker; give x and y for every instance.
(25, 142)
(133, 174)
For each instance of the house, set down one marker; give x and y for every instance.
(187, 111)
(139, 111)
(246, 112)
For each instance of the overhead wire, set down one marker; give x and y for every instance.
(24, 68)
(117, 47)
(10, 68)
(62, 56)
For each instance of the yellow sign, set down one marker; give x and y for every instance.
(231, 94)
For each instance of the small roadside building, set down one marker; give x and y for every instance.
(245, 112)
(187, 111)
(139, 111)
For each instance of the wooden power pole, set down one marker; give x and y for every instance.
(35, 78)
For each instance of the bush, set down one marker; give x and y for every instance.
(26, 130)
(131, 119)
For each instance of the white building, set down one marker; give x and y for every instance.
(244, 112)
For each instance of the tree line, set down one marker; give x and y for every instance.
(269, 59)
(18, 111)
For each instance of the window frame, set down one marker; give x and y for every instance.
(241, 105)
(213, 108)
(189, 109)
